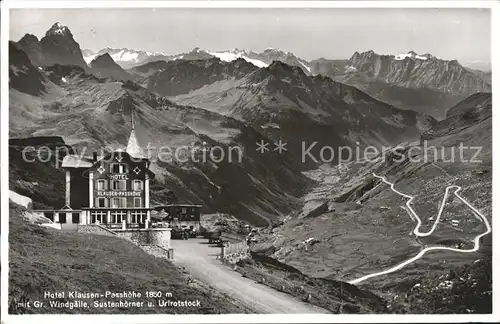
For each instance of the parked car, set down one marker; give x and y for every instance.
(222, 243)
(214, 237)
(193, 232)
(179, 234)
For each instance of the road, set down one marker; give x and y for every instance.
(418, 233)
(200, 261)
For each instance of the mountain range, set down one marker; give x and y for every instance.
(198, 102)
(419, 82)
(411, 81)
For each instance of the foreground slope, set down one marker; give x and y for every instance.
(46, 260)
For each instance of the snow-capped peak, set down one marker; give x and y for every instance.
(236, 53)
(58, 29)
(411, 55)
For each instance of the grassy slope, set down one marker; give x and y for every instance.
(43, 259)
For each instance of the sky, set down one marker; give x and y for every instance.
(462, 34)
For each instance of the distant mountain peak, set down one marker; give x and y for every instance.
(28, 38)
(277, 66)
(103, 59)
(238, 51)
(58, 29)
(104, 66)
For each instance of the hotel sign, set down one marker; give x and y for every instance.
(119, 193)
(118, 177)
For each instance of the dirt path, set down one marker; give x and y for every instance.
(200, 261)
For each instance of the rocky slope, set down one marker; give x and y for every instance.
(182, 76)
(284, 103)
(23, 76)
(57, 46)
(417, 71)
(412, 81)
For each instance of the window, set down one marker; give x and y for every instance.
(75, 218)
(119, 168)
(118, 216)
(137, 202)
(119, 184)
(118, 202)
(137, 185)
(97, 216)
(101, 202)
(101, 184)
(62, 218)
(184, 209)
(137, 217)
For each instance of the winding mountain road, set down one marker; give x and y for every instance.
(418, 233)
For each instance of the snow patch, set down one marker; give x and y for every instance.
(52, 225)
(125, 55)
(270, 125)
(19, 199)
(350, 68)
(234, 54)
(402, 56)
(89, 58)
(305, 66)
(63, 79)
(60, 29)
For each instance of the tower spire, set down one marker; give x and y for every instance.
(133, 147)
(132, 114)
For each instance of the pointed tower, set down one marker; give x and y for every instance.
(133, 147)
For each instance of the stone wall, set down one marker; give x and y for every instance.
(94, 229)
(158, 251)
(160, 237)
